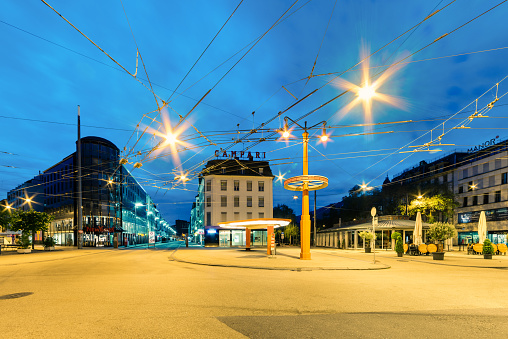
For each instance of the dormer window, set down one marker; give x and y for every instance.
(261, 170)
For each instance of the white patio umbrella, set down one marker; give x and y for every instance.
(417, 234)
(482, 227)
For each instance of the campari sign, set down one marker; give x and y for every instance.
(248, 155)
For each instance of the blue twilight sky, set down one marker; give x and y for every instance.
(48, 68)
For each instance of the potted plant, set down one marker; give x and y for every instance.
(49, 244)
(399, 246)
(24, 244)
(367, 236)
(488, 249)
(439, 232)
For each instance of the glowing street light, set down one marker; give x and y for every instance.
(368, 91)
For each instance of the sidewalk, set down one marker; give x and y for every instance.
(287, 258)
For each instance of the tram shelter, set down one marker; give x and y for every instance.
(256, 224)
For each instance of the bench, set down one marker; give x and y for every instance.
(4, 246)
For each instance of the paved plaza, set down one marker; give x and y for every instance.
(175, 292)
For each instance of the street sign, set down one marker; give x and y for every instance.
(151, 237)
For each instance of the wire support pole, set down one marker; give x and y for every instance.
(305, 220)
(80, 193)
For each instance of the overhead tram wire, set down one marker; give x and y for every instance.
(231, 57)
(319, 50)
(464, 121)
(366, 58)
(166, 103)
(358, 63)
(422, 48)
(362, 61)
(298, 101)
(91, 41)
(182, 119)
(115, 68)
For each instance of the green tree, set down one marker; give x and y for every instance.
(284, 212)
(5, 219)
(30, 222)
(399, 246)
(438, 206)
(291, 231)
(440, 232)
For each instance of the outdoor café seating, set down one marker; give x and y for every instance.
(413, 250)
(477, 249)
(432, 248)
(469, 248)
(502, 248)
(423, 249)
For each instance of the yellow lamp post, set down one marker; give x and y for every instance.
(305, 183)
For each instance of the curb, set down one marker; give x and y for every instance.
(298, 269)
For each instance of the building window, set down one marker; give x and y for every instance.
(486, 198)
(475, 200)
(261, 186)
(504, 178)
(208, 201)
(223, 170)
(475, 170)
(208, 219)
(249, 201)
(498, 196)
(249, 215)
(261, 201)
(208, 185)
(261, 170)
(223, 216)
(236, 185)
(237, 201)
(249, 185)
(223, 185)
(464, 173)
(492, 181)
(470, 186)
(237, 215)
(223, 201)
(261, 215)
(464, 203)
(461, 189)
(497, 163)
(485, 167)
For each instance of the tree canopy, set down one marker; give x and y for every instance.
(5, 218)
(430, 206)
(30, 221)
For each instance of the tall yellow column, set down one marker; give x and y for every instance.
(269, 232)
(305, 220)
